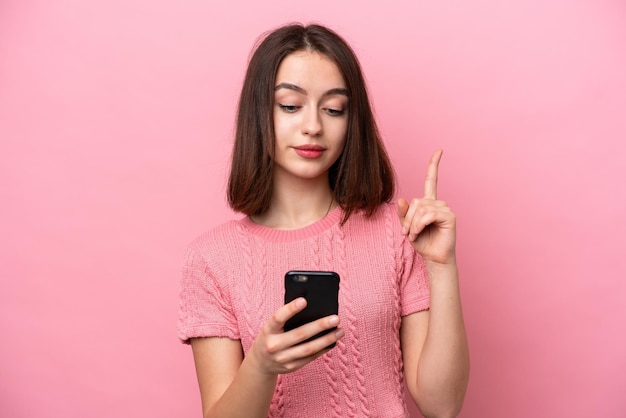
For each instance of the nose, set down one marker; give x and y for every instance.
(311, 123)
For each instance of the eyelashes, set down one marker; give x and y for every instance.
(293, 109)
(289, 108)
(335, 112)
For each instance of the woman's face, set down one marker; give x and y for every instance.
(310, 115)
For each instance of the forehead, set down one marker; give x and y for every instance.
(308, 69)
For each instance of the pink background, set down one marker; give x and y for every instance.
(116, 120)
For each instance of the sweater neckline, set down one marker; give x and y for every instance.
(272, 234)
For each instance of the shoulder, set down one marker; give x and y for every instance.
(213, 243)
(385, 216)
(387, 210)
(381, 227)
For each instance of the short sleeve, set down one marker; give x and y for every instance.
(203, 307)
(414, 281)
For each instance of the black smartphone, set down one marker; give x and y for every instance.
(321, 291)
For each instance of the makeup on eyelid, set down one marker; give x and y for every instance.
(331, 111)
(310, 117)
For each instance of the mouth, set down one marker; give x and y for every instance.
(309, 151)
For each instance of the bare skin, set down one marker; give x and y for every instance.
(434, 343)
(309, 99)
(225, 376)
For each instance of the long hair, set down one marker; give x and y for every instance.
(362, 177)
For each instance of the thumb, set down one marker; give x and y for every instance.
(403, 207)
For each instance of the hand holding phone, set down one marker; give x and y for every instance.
(321, 291)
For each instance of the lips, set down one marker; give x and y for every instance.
(309, 151)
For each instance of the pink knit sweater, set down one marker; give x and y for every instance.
(233, 280)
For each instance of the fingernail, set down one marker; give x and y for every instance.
(334, 320)
(340, 333)
(404, 230)
(300, 302)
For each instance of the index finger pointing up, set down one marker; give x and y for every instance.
(430, 184)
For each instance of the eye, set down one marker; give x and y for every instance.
(335, 112)
(289, 108)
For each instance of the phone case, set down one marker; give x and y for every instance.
(320, 289)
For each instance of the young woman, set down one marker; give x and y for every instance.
(310, 173)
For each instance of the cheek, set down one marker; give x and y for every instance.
(340, 144)
(281, 127)
(339, 133)
(285, 122)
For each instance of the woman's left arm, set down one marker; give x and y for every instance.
(434, 343)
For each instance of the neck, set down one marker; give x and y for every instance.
(298, 204)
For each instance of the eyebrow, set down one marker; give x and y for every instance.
(331, 92)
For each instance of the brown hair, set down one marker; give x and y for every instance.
(362, 177)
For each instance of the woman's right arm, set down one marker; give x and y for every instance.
(226, 377)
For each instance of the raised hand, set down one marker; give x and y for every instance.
(428, 223)
(278, 352)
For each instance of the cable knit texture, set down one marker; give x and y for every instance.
(233, 281)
